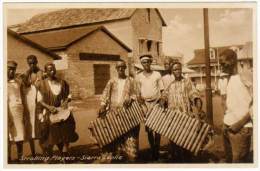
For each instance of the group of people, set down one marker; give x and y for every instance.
(32, 98)
(174, 91)
(150, 88)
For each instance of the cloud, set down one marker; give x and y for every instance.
(178, 25)
(182, 36)
(234, 18)
(231, 27)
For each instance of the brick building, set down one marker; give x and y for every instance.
(92, 40)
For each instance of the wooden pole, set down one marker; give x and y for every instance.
(208, 72)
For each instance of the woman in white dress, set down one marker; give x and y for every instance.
(15, 110)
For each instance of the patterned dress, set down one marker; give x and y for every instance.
(15, 111)
(61, 132)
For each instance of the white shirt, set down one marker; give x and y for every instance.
(120, 89)
(222, 85)
(238, 101)
(150, 86)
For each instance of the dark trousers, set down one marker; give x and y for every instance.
(237, 145)
(179, 154)
(154, 142)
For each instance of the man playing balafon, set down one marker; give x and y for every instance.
(149, 88)
(180, 94)
(118, 93)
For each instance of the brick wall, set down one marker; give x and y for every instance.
(149, 29)
(80, 73)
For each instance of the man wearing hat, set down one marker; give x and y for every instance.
(149, 88)
(15, 110)
(119, 92)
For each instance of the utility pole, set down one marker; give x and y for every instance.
(208, 71)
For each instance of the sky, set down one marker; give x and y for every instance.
(184, 31)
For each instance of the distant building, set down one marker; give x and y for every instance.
(92, 40)
(245, 57)
(198, 65)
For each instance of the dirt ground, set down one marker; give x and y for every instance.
(84, 149)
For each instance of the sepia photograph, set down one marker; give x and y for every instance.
(130, 83)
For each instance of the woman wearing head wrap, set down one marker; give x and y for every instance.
(53, 97)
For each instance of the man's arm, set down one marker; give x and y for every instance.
(105, 98)
(240, 124)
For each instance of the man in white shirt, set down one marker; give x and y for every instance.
(237, 119)
(149, 88)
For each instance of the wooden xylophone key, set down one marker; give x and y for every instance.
(110, 129)
(151, 117)
(113, 125)
(198, 137)
(135, 114)
(137, 111)
(153, 125)
(165, 123)
(174, 129)
(110, 125)
(101, 132)
(117, 120)
(122, 122)
(130, 115)
(202, 140)
(123, 119)
(126, 119)
(164, 118)
(140, 112)
(180, 128)
(172, 118)
(186, 134)
(159, 120)
(184, 129)
(194, 136)
(105, 130)
(94, 132)
(172, 126)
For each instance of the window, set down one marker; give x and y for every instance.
(148, 15)
(158, 48)
(149, 45)
(212, 53)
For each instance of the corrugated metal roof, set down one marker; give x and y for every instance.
(76, 16)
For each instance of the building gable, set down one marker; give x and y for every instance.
(77, 17)
(62, 39)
